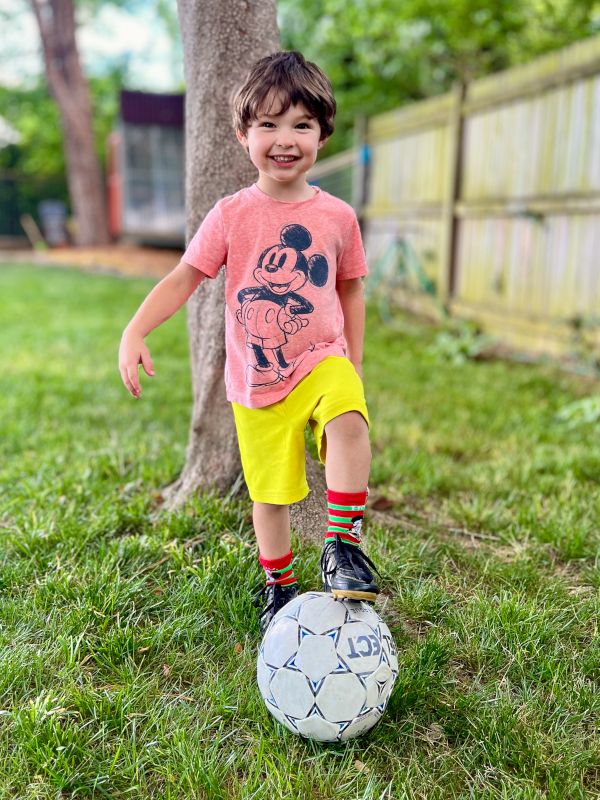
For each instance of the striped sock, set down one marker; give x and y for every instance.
(346, 510)
(278, 570)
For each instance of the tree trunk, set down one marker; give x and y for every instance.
(67, 83)
(221, 40)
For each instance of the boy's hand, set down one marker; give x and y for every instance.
(288, 322)
(132, 352)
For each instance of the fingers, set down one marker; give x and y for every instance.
(132, 374)
(129, 376)
(131, 356)
(146, 361)
(295, 324)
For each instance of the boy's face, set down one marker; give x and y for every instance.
(283, 147)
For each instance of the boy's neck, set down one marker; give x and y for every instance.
(288, 193)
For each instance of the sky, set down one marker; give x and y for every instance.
(113, 36)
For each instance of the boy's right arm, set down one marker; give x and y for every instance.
(163, 301)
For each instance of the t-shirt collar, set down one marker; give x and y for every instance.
(257, 192)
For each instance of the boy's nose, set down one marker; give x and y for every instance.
(285, 139)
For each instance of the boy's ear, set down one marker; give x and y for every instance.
(242, 138)
(323, 142)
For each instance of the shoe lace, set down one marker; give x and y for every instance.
(347, 555)
(260, 598)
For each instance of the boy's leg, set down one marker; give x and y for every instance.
(272, 529)
(348, 458)
(345, 567)
(272, 451)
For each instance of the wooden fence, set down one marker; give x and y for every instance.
(486, 201)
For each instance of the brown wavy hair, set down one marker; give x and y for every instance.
(279, 81)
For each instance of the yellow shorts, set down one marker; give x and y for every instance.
(271, 438)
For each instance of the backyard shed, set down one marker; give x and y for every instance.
(146, 169)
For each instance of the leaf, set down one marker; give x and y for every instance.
(382, 503)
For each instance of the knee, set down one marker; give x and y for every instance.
(269, 510)
(351, 425)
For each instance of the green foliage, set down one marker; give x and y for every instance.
(400, 268)
(381, 54)
(34, 114)
(459, 341)
(36, 166)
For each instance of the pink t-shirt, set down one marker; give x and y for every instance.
(282, 261)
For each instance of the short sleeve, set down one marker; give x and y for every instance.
(207, 251)
(352, 262)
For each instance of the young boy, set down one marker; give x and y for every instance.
(295, 317)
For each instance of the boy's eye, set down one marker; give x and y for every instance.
(303, 125)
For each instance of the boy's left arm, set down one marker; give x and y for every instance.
(352, 300)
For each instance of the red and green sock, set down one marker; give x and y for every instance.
(279, 570)
(346, 511)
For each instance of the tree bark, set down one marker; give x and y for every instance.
(221, 40)
(67, 83)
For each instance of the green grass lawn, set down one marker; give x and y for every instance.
(128, 638)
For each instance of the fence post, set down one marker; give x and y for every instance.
(447, 273)
(359, 173)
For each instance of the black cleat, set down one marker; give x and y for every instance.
(345, 571)
(272, 597)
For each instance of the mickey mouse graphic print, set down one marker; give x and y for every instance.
(272, 311)
(282, 263)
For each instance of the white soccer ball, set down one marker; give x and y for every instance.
(326, 667)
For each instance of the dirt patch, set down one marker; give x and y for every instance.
(121, 259)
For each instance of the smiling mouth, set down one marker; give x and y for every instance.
(280, 287)
(284, 159)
